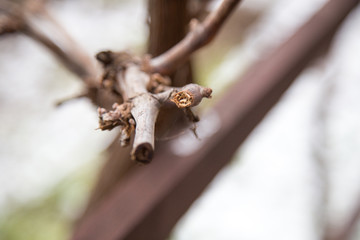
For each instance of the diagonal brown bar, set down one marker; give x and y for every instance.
(148, 203)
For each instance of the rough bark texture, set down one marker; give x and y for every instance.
(168, 24)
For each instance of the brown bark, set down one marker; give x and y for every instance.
(168, 24)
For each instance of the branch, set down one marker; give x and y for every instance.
(132, 83)
(20, 18)
(199, 35)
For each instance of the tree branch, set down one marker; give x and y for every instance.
(76, 61)
(199, 35)
(17, 17)
(132, 83)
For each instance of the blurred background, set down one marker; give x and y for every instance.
(297, 173)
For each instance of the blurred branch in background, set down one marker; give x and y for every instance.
(26, 16)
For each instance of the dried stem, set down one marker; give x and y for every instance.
(199, 35)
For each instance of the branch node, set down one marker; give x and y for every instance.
(114, 63)
(158, 83)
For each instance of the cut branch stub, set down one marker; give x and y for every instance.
(190, 95)
(183, 99)
(143, 153)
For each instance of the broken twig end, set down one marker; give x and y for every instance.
(143, 153)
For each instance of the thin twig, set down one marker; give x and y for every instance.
(199, 35)
(78, 64)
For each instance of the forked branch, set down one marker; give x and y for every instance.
(199, 35)
(132, 83)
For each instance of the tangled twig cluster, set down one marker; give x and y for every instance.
(143, 95)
